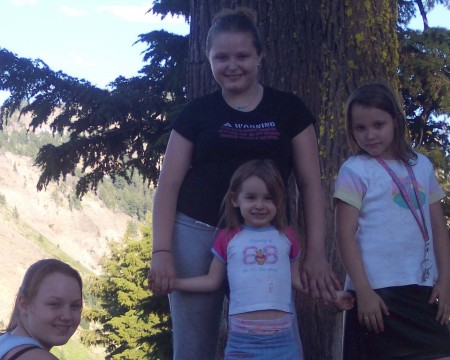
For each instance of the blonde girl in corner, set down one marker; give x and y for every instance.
(260, 255)
(392, 237)
(46, 313)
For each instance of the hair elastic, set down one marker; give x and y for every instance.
(162, 250)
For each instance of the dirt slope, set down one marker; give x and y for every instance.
(25, 213)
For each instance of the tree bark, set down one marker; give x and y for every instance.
(320, 50)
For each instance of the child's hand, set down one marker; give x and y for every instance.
(371, 309)
(440, 296)
(344, 300)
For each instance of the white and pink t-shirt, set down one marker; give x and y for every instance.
(391, 243)
(258, 267)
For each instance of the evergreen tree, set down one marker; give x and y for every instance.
(130, 324)
(425, 85)
(111, 132)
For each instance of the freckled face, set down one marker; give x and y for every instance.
(55, 313)
(234, 61)
(373, 130)
(255, 203)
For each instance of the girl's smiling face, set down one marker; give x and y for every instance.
(54, 314)
(373, 130)
(255, 203)
(234, 61)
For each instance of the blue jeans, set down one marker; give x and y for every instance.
(195, 316)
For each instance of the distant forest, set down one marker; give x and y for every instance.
(134, 199)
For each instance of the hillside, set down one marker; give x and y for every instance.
(36, 225)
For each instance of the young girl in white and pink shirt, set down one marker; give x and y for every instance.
(392, 237)
(259, 254)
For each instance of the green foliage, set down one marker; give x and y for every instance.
(134, 199)
(170, 79)
(425, 81)
(15, 213)
(56, 197)
(74, 202)
(441, 162)
(25, 143)
(174, 7)
(130, 320)
(112, 132)
(74, 350)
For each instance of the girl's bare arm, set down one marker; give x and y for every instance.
(210, 282)
(370, 306)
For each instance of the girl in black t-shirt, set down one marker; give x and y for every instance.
(211, 137)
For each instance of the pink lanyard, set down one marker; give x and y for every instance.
(426, 263)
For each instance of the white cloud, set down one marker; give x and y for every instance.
(131, 13)
(23, 2)
(82, 61)
(71, 11)
(139, 15)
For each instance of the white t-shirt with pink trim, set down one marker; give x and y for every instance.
(258, 264)
(391, 243)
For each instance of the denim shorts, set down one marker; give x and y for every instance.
(262, 340)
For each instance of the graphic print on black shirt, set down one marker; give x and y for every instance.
(263, 131)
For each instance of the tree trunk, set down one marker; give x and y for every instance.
(321, 50)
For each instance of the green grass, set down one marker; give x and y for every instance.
(75, 350)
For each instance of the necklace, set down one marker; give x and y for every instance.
(241, 107)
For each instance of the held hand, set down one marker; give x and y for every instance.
(371, 309)
(318, 277)
(344, 300)
(161, 276)
(440, 296)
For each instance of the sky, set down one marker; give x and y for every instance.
(93, 39)
(89, 39)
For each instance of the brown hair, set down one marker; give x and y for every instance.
(239, 20)
(267, 171)
(381, 96)
(33, 279)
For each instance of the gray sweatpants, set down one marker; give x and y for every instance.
(195, 316)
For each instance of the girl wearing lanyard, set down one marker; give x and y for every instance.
(392, 237)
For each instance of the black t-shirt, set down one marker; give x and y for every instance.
(225, 138)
